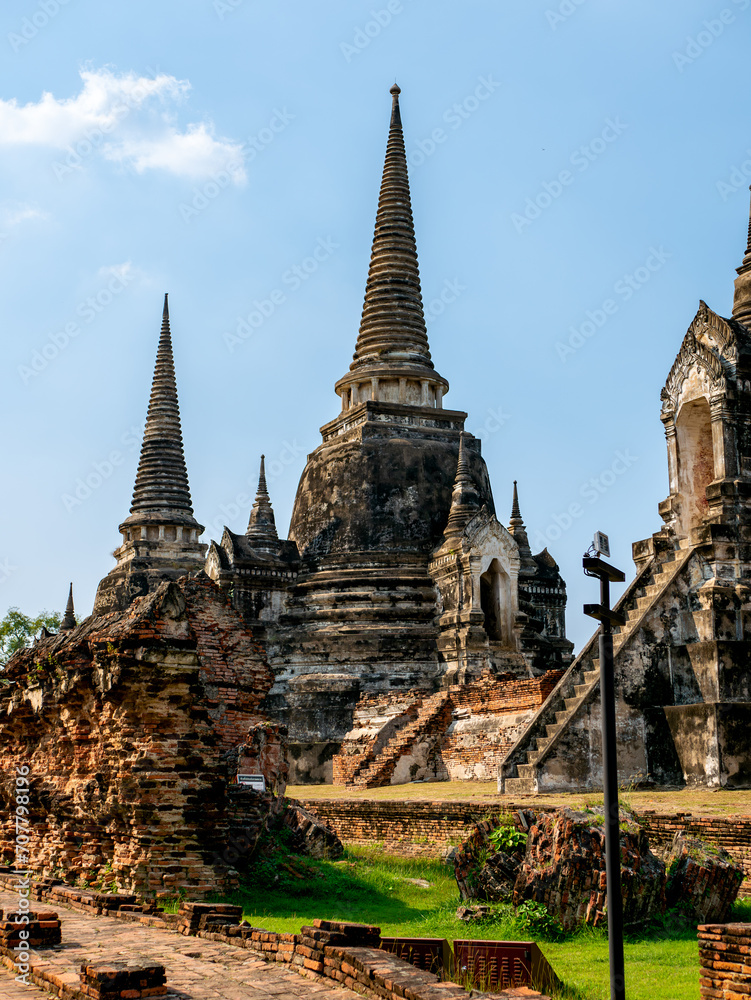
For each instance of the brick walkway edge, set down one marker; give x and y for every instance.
(341, 952)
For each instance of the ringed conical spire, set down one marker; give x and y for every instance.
(262, 525)
(516, 514)
(69, 618)
(393, 339)
(161, 493)
(519, 532)
(465, 501)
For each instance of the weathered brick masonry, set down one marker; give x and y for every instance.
(724, 951)
(462, 732)
(125, 723)
(430, 828)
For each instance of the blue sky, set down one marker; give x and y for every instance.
(579, 180)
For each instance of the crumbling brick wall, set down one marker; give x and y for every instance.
(468, 740)
(489, 715)
(124, 724)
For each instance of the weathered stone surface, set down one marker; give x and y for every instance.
(310, 835)
(496, 879)
(681, 658)
(564, 868)
(702, 877)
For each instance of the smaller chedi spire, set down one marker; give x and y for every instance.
(465, 501)
(69, 618)
(160, 536)
(516, 514)
(742, 297)
(262, 526)
(161, 487)
(519, 532)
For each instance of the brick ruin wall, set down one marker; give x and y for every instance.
(463, 738)
(430, 829)
(488, 718)
(124, 725)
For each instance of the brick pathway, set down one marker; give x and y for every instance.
(196, 969)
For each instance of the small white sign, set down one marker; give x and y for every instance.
(256, 781)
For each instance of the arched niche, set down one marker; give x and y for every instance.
(695, 460)
(498, 600)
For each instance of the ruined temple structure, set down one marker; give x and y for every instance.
(397, 574)
(129, 726)
(683, 658)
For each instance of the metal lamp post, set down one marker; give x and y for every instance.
(596, 567)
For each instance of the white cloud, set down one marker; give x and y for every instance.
(128, 118)
(194, 154)
(13, 214)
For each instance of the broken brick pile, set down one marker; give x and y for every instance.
(702, 877)
(309, 835)
(124, 724)
(41, 929)
(448, 734)
(564, 869)
(194, 917)
(724, 951)
(467, 857)
(122, 980)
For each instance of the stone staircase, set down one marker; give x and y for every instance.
(520, 768)
(433, 718)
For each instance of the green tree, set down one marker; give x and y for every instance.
(18, 630)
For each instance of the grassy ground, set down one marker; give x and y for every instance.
(370, 887)
(698, 801)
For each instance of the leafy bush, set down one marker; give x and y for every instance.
(507, 839)
(534, 919)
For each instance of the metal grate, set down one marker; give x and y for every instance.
(432, 954)
(490, 965)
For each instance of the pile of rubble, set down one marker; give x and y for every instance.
(563, 867)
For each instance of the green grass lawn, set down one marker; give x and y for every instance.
(369, 887)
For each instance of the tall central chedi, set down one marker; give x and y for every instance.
(374, 498)
(366, 611)
(379, 486)
(396, 575)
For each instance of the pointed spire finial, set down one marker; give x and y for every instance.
(162, 492)
(516, 514)
(392, 342)
(262, 525)
(465, 501)
(747, 257)
(69, 618)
